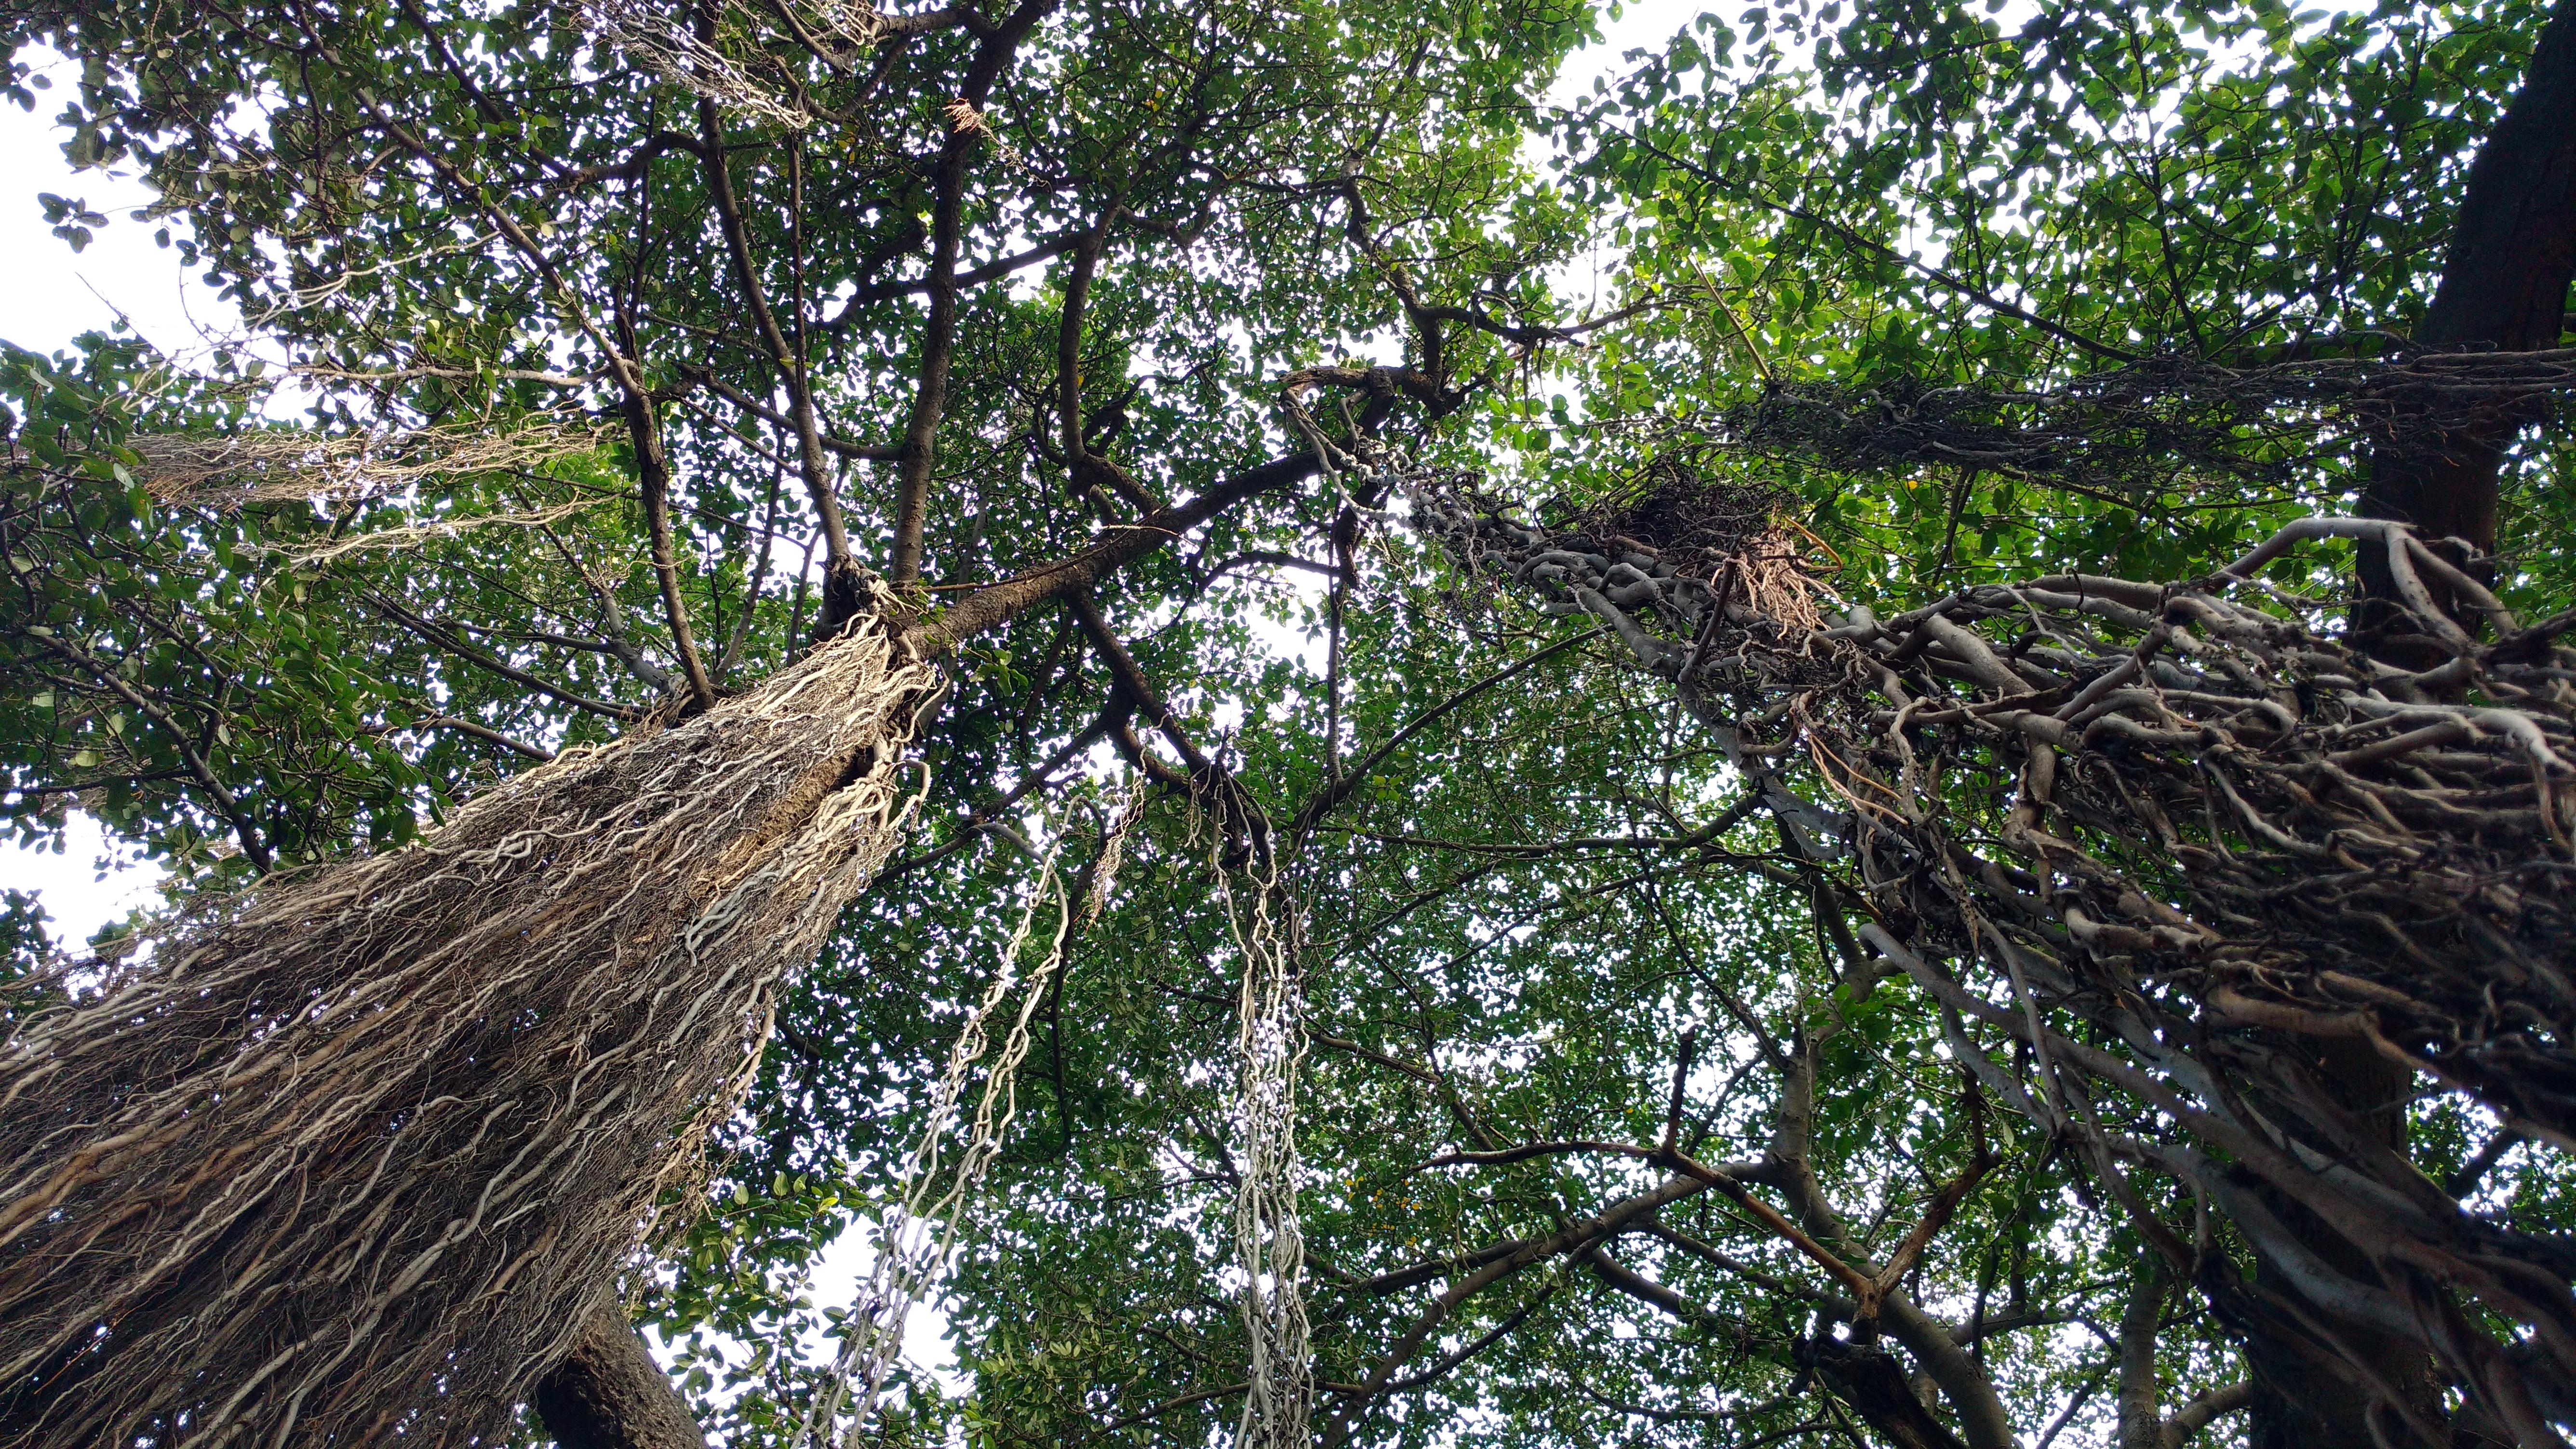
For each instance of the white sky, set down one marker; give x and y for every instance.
(52, 295)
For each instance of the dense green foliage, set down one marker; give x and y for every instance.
(444, 218)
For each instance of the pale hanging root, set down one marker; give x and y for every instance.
(1270, 1046)
(225, 473)
(919, 1232)
(1113, 850)
(342, 1166)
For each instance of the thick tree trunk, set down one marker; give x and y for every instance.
(2300, 1397)
(610, 1394)
(347, 1165)
(2504, 286)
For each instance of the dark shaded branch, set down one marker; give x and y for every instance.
(655, 476)
(1539, 1149)
(1143, 1416)
(480, 660)
(253, 846)
(2504, 286)
(1449, 1362)
(632, 168)
(1646, 1290)
(1130, 679)
(939, 328)
(484, 733)
(610, 1394)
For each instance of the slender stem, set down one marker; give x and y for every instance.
(655, 474)
(225, 802)
(841, 594)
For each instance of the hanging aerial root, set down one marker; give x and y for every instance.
(342, 1165)
(270, 466)
(1270, 1049)
(919, 1230)
(730, 70)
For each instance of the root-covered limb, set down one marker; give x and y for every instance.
(331, 1167)
(2186, 849)
(2130, 432)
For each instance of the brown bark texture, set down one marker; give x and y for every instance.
(2173, 846)
(610, 1394)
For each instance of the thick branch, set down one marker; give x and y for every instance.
(1117, 547)
(939, 328)
(655, 476)
(2201, 1412)
(2141, 1427)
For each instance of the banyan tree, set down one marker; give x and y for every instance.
(1865, 737)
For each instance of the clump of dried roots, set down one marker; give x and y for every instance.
(345, 1165)
(665, 41)
(282, 465)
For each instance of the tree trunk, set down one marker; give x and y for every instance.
(346, 1163)
(610, 1394)
(2505, 276)
(2504, 286)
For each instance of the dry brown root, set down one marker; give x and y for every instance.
(346, 1163)
(230, 472)
(2164, 848)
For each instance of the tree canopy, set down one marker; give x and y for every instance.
(597, 359)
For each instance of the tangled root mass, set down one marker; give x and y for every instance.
(345, 1164)
(2172, 845)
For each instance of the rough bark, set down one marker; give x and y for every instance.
(610, 1394)
(2141, 1426)
(2123, 705)
(1870, 1380)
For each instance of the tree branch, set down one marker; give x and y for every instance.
(229, 807)
(939, 328)
(481, 660)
